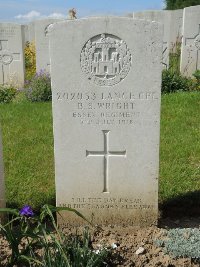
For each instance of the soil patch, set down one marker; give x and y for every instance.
(127, 240)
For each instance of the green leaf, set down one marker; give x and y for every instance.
(11, 211)
(30, 260)
(58, 209)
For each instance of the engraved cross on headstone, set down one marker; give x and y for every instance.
(195, 43)
(106, 153)
(165, 54)
(6, 58)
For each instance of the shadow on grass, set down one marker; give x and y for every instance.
(181, 211)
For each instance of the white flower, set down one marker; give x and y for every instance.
(97, 251)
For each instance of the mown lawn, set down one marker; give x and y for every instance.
(28, 153)
(180, 151)
(28, 150)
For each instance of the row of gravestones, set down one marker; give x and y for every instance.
(179, 26)
(106, 90)
(13, 38)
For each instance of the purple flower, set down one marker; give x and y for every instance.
(26, 211)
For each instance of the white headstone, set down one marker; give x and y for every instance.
(31, 31)
(11, 54)
(176, 28)
(25, 31)
(129, 15)
(190, 52)
(2, 186)
(42, 43)
(106, 79)
(172, 21)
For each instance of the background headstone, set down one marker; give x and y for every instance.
(106, 79)
(163, 17)
(129, 15)
(25, 31)
(42, 43)
(2, 186)
(31, 29)
(176, 28)
(172, 21)
(190, 51)
(29, 32)
(11, 54)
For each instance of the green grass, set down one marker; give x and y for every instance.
(180, 146)
(28, 150)
(28, 153)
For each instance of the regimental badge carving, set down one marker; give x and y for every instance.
(6, 57)
(197, 41)
(105, 59)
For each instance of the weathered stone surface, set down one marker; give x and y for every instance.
(2, 187)
(25, 32)
(29, 32)
(11, 54)
(172, 22)
(190, 51)
(31, 27)
(176, 28)
(106, 78)
(42, 43)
